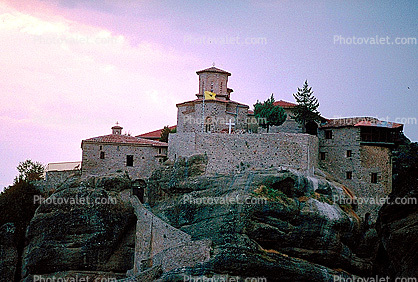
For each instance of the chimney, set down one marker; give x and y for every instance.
(117, 129)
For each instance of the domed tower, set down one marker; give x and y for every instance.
(214, 80)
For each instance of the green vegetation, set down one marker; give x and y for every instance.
(29, 171)
(306, 110)
(17, 202)
(268, 114)
(165, 132)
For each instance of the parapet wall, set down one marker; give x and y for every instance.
(232, 153)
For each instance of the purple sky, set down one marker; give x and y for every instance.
(71, 69)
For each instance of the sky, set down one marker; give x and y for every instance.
(70, 69)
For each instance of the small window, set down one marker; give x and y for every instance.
(328, 134)
(322, 155)
(159, 151)
(118, 148)
(374, 177)
(349, 174)
(348, 153)
(100, 147)
(102, 155)
(129, 160)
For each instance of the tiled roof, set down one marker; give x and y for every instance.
(210, 101)
(156, 134)
(360, 121)
(125, 139)
(284, 104)
(213, 69)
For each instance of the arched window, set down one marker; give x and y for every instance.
(208, 124)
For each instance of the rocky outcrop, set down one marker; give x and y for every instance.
(274, 223)
(397, 224)
(8, 252)
(83, 228)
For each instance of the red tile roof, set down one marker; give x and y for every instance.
(284, 104)
(213, 69)
(125, 139)
(360, 121)
(156, 134)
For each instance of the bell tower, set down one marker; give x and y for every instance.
(214, 80)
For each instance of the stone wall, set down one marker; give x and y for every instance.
(189, 116)
(54, 179)
(145, 159)
(363, 161)
(376, 159)
(231, 153)
(159, 243)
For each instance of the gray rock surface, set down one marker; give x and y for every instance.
(8, 252)
(289, 230)
(93, 231)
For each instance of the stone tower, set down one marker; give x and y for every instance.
(214, 80)
(217, 115)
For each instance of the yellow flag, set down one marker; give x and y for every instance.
(210, 95)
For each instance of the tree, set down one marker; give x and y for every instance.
(164, 133)
(29, 171)
(268, 114)
(306, 110)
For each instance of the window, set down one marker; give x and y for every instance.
(328, 134)
(322, 155)
(348, 153)
(374, 177)
(129, 160)
(102, 155)
(211, 87)
(159, 151)
(118, 148)
(100, 147)
(349, 174)
(207, 128)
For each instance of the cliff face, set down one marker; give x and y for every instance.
(8, 252)
(275, 224)
(93, 237)
(397, 225)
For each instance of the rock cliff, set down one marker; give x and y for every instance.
(92, 238)
(276, 224)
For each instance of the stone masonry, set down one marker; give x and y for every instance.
(352, 163)
(122, 153)
(231, 153)
(158, 243)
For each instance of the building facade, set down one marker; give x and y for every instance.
(358, 153)
(218, 114)
(117, 152)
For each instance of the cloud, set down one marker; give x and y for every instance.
(63, 81)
